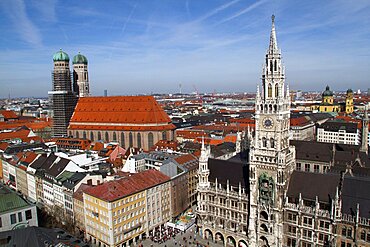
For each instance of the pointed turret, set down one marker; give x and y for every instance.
(238, 144)
(365, 132)
(203, 171)
(273, 48)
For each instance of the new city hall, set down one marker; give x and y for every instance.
(261, 197)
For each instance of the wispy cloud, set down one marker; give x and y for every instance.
(216, 10)
(187, 8)
(46, 9)
(16, 9)
(244, 11)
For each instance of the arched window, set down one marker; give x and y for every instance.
(138, 140)
(349, 232)
(363, 235)
(264, 142)
(130, 140)
(99, 136)
(91, 136)
(106, 136)
(264, 215)
(269, 91)
(272, 143)
(122, 139)
(84, 135)
(276, 90)
(164, 135)
(264, 228)
(77, 134)
(150, 140)
(275, 65)
(261, 107)
(114, 136)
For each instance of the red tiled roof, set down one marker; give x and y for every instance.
(230, 138)
(8, 114)
(209, 141)
(73, 126)
(242, 120)
(299, 121)
(121, 112)
(117, 152)
(165, 144)
(197, 153)
(34, 124)
(136, 182)
(78, 195)
(83, 144)
(98, 146)
(23, 133)
(4, 145)
(185, 158)
(28, 157)
(190, 134)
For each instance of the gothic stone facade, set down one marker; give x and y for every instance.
(256, 199)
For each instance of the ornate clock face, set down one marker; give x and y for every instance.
(268, 123)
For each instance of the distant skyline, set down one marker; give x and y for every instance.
(152, 46)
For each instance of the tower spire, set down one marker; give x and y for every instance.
(273, 42)
(365, 132)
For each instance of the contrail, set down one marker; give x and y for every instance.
(215, 11)
(127, 20)
(246, 10)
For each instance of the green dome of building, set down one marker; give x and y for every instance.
(327, 92)
(61, 56)
(79, 59)
(349, 91)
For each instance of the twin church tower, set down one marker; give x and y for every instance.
(64, 94)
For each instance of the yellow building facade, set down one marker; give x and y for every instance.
(349, 101)
(328, 103)
(116, 212)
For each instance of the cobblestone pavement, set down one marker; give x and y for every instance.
(179, 241)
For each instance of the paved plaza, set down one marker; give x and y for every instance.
(187, 239)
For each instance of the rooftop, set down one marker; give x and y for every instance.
(120, 113)
(310, 185)
(10, 200)
(131, 184)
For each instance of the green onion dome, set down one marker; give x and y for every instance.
(61, 56)
(349, 91)
(79, 59)
(327, 92)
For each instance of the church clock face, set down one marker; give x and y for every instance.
(268, 123)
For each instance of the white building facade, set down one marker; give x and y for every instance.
(339, 132)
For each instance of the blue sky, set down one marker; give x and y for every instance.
(146, 46)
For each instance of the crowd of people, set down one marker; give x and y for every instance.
(162, 234)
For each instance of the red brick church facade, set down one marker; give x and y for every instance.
(132, 121)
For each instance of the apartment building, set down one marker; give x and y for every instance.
(123, 211)
(15, 212)
(339, 132)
